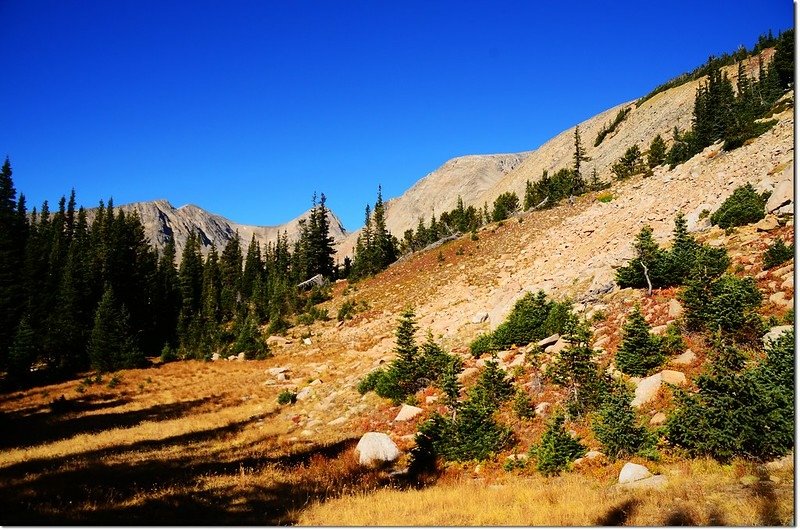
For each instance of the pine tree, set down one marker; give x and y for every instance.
(647, 267)
(681, 257)
(640, 351)
(616, 427)
(13, 238)
(168, 297)
(230, 267)
(23, 351)
(557, 448)
(784, 57)
(211, 307)
(111, 346)
(190, 277)
(579, 155)
(657, 154)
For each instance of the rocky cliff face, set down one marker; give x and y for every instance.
(163, 221)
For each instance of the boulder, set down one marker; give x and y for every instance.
(781, 464)
(591, 455)
(687, 357)
(215, 356)
(277, 370)
(788, 284)
(338, 421)
(556, 348)
(307, 341)
(376, 448)
(467, 373)
(407, 412)
(304, 394)
(632, 472)
(767, 224)
(480, 318)
(541, 408)
(774, 333)
(275, 340)
(659, 330)
(673, 377)
(675, 309)
(782, 195)
(658, 418)
(780, 299)
(552, 339)
(646, 390)
(241, 356)
(654, 482)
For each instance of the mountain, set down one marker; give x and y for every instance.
(161, 221)
(467, 176)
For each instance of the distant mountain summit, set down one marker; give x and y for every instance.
(163, 221)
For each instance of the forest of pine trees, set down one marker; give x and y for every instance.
(86, 290)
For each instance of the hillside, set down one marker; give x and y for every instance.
(195, 442)
(161, 221)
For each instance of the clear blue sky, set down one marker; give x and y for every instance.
(246, 107)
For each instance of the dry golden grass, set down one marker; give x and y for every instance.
(698, 493)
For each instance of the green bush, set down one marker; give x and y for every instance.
(483, 343)
(777, 254)
(286, 397)
(532, 319)
(471, 433)
(369, 382)
(168, 355)
(505, 206)
(751, 130)
(557, 448)
(748, 413)
(523, 407)
(672, 342)
(640, 351)
(727, 304)
(616, 427)
(744, 206)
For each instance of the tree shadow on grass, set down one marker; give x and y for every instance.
(170, 491)
(23, 430)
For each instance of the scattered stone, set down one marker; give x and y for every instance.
(407, 412)
(277, 370)
(783, 193)
(557, 347)
(231, 357)
(541, 408)
(774, 333)
(480, 318)
(304, 394)
(281, 377)
(519, 457)
(241, 356)
(315, 382)
(275, 340)
(431, 399)
(788, 284)
(646, 390)
(654, 482)
(659, 330)
(215, 356)
(687, 357)
(781, 464)
(552, 339)
(591, 455)
(767, 224)
(658, 419)
(518, 360)
(338, 421)
(376, 447)
(632, 472)
(307, 341)
(675, 308)
(780, 299)
(778, 273)
(467, 373)
(673, 377)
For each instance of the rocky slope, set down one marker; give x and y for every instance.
(467, 176)
(161, 221)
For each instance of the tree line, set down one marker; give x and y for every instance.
(85, 289)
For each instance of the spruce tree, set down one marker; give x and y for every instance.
(557, 448)
(657, 154)
(23, 351)
(616, 426)
(111, 346)
(640, 351)
(230, 267)
(648, 263)
(579, 154)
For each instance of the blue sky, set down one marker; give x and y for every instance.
(245, 108)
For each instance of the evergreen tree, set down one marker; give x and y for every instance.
(784, 57)
(616, 427)
(648, 263)
(230, 267)
(190, 278)
(557, 448)
(253, 268)
(23, 351)
(168, 295)
(657, 154)
(579, 155)
(640, 351)
(111, 346)
(13, 236)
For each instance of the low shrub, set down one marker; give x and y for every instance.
(777, 254)
(744, 206)
(727, 304)
(483, 343)
(287, 397)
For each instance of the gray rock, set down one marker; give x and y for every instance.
(407, 412)
(307, 341)
(632, 472)
(215, 357)
(767, 224)
(774, 333)
(338, 421)
(277, 370)
(275, 340)
(782, 195)
(375, 448)
(552, 339)
(673, 377)
(304, 394)
(687, 357)
(541, 408)
(646, 390)
(675, 309)
(241, 356)
(654, 482)
(479, 318)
